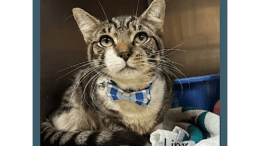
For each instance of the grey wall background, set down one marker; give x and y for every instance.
(193, 23)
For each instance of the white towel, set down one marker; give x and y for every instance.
(200, 127)
(175, 137)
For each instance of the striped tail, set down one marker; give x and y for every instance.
(50, 136)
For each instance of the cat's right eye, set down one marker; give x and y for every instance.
(141, 37)
(106, 41)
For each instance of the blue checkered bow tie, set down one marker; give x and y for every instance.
(142, 97)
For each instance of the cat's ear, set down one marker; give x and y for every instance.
(85, 21)
(154, 15)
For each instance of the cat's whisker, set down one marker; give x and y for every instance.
(75, 87)
(72, 71)
(68, 18)
(166, 50)
(177, 46)
(166, 73)
(170, 62)
(85, 75)
(106, 73)
(171, 73)
(169, 49)
(137, 8)
(101, 73)
(89, 62)
(88, 71)
(162, 53)
(163, 70)
(78, 82)
(103, 10)
(182, 74)
(102, 111)
(179, 82)
(173, 52)
(171, 67)
(93, 89)
(83, 96)
(112, 74)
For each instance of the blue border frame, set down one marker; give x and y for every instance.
(223, 72)
(36, 72)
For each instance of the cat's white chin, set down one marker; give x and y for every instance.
(113, 63)
(130, 65)
(128, 73)
(127, 68)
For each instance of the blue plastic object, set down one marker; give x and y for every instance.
(200, 92)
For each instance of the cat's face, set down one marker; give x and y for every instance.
(126, 46)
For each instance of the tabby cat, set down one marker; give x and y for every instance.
(125, 60)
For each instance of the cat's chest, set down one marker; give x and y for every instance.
(137, 118)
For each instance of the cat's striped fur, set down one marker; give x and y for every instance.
(86, 115)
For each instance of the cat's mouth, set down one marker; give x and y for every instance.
(127, 67)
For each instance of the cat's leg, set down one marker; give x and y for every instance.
(76, 127)
(52, 136)
(69, 125)
(76, 120)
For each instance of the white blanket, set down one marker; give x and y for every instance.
(188, 127)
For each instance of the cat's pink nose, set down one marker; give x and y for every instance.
(124, 50)
(125, 54)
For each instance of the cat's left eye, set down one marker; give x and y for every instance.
(141, 38)
(106, 41)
